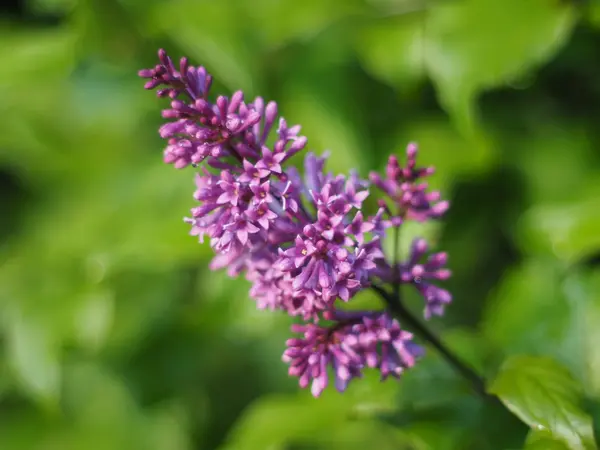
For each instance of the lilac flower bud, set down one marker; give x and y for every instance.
(270, 115)
(236, 99)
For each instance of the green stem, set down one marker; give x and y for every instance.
(402, 313)
(396, 281)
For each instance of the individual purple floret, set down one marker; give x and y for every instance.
(304, 241)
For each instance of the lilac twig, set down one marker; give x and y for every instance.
(405, 316)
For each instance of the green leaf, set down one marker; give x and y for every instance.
(105, 415)
(593, 13)
(26, 429)
(212, 34)
(34, 356)
(135, 220)
(512, 319)
(266, 423)
(303, 20)
(328, 121)
(474, 45)
(94, 318)
(582, 290)
(543, 440)
(51, 6)
(50, 149)
(28, 54)
(168, 429)
(549, 153)
(143, 299)
(567, 230)
(441, 146)
(544, 395)
(392, 49)
(358, 435)
(105, 29)
(434, 435)
(569, 308)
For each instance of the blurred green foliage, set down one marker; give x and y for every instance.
(115, 335)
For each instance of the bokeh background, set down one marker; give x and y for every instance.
(114, 334)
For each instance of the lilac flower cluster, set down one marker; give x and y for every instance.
(356, 340)
(302, 240)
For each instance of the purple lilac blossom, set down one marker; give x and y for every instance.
(304, 242)
(407, 194)
(355, 341)
(408, 199)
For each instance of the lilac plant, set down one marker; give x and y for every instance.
(304, 241)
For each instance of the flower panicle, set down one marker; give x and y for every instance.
(303, 240)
